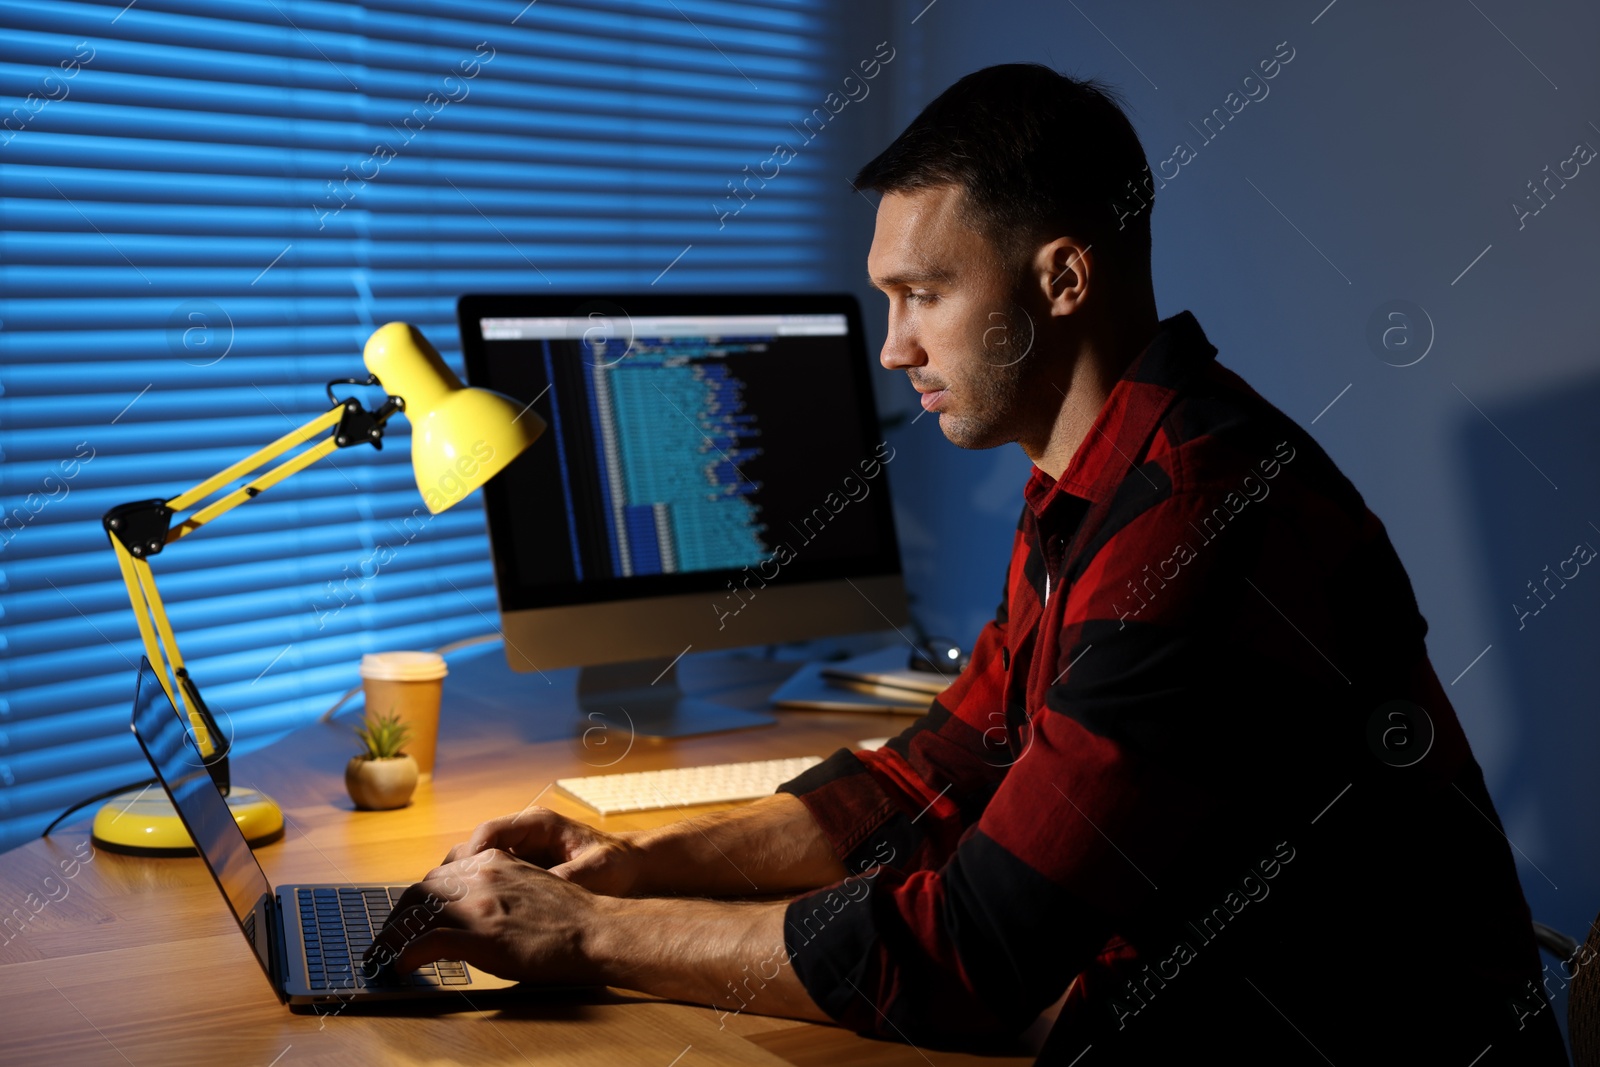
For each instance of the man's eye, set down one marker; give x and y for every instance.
(921, 298)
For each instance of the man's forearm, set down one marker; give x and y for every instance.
(770, 846)
(729, 955)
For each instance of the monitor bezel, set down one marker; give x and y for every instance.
(516, 597)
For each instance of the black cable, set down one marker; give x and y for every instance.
(90, 800)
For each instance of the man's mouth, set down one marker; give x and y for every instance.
(932, 398)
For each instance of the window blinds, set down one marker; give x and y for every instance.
(206, 207)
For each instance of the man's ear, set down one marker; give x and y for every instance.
(1062, 269)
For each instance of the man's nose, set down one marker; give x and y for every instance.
(901, 349)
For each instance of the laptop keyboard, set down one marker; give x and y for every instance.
(338, 925)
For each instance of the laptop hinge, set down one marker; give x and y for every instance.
(277, 948)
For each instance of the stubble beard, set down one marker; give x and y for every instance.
(992, 396)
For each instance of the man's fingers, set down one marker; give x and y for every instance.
(481, 838)
(447, 943)
(579, 869)
(403, 927)
(419, 911)
(532, 833)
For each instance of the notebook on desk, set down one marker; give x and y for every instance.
(309, 939)
(885, 673)
(874, 682)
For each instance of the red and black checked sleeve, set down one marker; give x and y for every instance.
(1078, 835)
(907, 803)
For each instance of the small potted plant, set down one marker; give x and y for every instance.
(382, 776)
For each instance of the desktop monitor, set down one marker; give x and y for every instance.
(713, 476)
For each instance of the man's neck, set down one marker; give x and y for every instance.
(1100, 363)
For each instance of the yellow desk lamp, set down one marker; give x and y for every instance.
(460, 438)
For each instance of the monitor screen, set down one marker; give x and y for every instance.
(694, 443)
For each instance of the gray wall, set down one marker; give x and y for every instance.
(1383, 160)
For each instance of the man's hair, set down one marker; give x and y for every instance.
(1040, 156)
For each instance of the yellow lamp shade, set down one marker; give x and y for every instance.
(460, 436)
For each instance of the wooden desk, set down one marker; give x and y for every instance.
(139, 961)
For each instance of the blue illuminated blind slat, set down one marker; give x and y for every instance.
(197, 230)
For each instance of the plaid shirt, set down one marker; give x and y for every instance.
(1199, 776)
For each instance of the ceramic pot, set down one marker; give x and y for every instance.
(380, 784)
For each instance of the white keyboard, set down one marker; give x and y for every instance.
(721, 783)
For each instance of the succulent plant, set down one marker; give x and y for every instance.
(383, 736)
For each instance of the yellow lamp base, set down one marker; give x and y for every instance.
(144, 823)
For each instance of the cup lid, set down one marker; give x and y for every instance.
(403, 666)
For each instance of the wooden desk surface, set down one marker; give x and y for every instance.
(139, 960)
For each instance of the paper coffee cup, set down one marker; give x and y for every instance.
(407, 684)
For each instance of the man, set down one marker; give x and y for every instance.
(1199, 789)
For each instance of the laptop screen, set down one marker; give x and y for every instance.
(167, 740)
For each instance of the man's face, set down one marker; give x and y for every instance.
(957, 324)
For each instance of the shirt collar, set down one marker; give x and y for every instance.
(1122, 430)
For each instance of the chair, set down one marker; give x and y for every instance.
(1583, 988)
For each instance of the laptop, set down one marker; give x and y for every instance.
(309, 939)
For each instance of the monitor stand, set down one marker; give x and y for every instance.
(642, 699)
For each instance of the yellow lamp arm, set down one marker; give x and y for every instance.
(141, 529)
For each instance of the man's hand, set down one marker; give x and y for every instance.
(496, 912)
(769, 846)
(535, 897)
(515, 920)
(598, 861)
